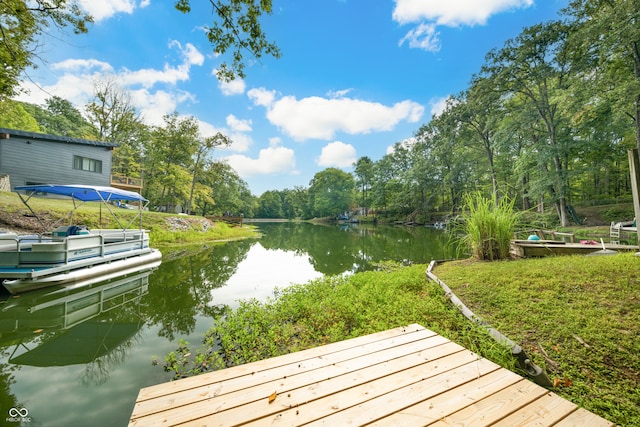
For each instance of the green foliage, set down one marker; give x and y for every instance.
(229, 192)
(617, 213)
(328, 310)
(63, 118)
(115, 118)
(237, 26)
(488, 226)
(331, 192)
(270, 205)
(543, 221)
(14, 116)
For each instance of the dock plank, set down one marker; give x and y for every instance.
(583, 418)
(406, 376)
(400, 334)
(438, 406)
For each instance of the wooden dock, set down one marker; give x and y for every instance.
(407, 376)
(232, 220)
(542, 248)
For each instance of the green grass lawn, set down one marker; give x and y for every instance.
(578, 317)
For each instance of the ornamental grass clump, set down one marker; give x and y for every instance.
(488, 226)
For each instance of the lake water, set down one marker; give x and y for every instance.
(78, 357)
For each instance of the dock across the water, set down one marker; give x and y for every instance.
(233, 220)
(400, 377)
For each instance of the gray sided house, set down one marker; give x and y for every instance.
(34, 158)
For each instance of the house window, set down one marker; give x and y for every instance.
(86, 164)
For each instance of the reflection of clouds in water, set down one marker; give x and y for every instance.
(261, 272)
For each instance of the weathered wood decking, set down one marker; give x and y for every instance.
(401, 377)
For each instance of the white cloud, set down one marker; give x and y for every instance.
(337, 154)
(424, 37)
(154, 106)
(190, 53)
(148, 77)
(75, 88)
(238, 125)
(271, 160)
(76, 65)
(241, 142)
(262, 96)
(207, 129)
(234, 87)
(275, 141)
(320, 118)
(451, 13)
(338, 93)
(104, 9)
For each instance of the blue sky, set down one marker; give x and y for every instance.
(355, 77)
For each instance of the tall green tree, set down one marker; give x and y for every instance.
(22, 24)
(228, 193)
(204, 148)
(116, 119)
(331, 192)
(480, 109)
(364, 177)
(112, 112)
(535, 65)
(169, 159)
(270, 205)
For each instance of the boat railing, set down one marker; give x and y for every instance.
(38, 250)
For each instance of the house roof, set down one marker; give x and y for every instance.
(53, 138)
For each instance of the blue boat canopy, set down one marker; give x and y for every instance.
(85, 193)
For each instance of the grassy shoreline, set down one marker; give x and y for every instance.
(577, 317)
(164, 229)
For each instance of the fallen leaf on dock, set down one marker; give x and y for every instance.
(273, 397)
(566, 382)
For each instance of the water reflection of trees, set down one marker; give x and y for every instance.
(335, 249)
(181, 288)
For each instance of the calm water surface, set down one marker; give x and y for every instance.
(78, 357)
